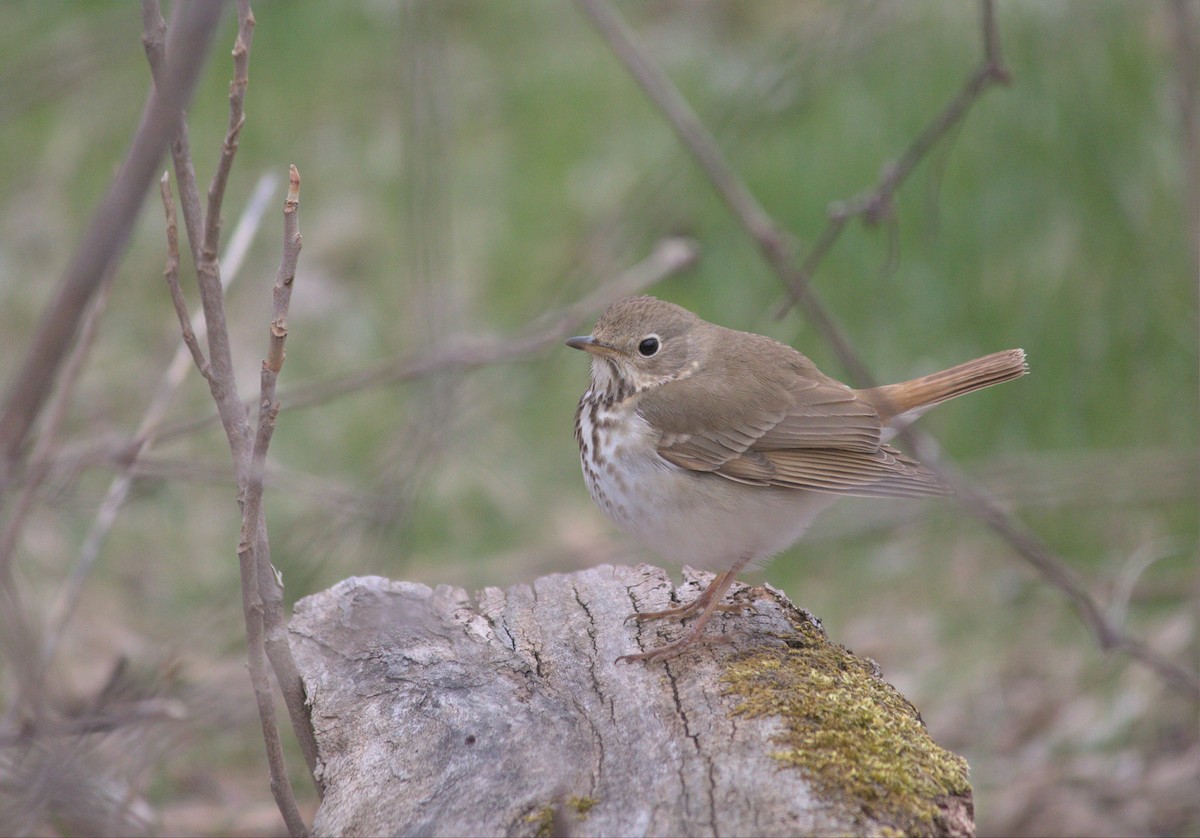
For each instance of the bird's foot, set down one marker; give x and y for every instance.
(674, 648)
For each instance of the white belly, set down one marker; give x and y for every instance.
(687, 517)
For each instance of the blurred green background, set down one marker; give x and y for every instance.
(467, 166)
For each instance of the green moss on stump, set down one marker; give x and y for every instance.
(542, 820)
(851, 734)
(582, 805)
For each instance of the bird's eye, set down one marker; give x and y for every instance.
(648, 348)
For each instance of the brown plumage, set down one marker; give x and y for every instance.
(717, 447)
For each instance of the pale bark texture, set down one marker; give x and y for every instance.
(504, 713)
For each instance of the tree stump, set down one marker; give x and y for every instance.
(438, 713)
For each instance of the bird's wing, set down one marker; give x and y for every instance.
(885, 472)
(791, 427)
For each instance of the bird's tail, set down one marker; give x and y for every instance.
(897, 401)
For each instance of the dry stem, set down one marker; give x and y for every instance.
(23, 649)
(107, 233)
(171, 273)
(147, 431)
(237, 118)
(462, 352)
(877, 204)
(269, 585)
(221, 379)
(261, 591)
(770, 237)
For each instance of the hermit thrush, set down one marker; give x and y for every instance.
(717, 448)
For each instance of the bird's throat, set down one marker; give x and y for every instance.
(608, 385)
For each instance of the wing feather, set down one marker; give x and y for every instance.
(790, 427)
(883, 473)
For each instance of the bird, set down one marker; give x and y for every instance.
(717, 448)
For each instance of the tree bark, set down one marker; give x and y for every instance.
(438, 713)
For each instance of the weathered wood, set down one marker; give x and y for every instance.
(438, 713)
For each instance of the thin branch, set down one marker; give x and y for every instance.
(876, 204)
(262, 592)
(695, 137)
(284, 278)
(22, 630)
(146, 434)
(262, 602)
(108, 231)
(1058, 573)
(221, 380)
(765, 232)
(237, 118)
(252, 606)
(270, 588)
(463, 352)
(146, 711)
(155, 45)
(992, 50)
(774, 244)
(171, 273)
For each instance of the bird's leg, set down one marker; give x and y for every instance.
(721, 580)
(709, 601)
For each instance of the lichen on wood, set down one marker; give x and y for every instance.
(847, 730)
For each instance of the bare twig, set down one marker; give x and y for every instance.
(767, 234)
(262, 596)
(146, 711)
(282, 292)
(221, 381)
(270, 587)
(154, 42)
(687, 126)
(24, 654)
(1107, 631)
(462, 352)
(261, 590)
(876, 204)
(772, 241)
(237, 118)
(669, 256)
(171, 273)
(107, 233)
(253, 606)
(146, 434)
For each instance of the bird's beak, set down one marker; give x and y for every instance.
(588, 344)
